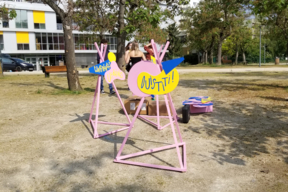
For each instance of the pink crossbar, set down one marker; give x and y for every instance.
(154, 124)
(95, 122)
(181, 158)
(149, 151)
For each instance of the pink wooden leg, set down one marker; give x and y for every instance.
(173, 130)
(174, 112)
(160, 51)
(172, 105)
(97, 108)
(130, 128)
(157, 112)
(124, 109)
(94, 98)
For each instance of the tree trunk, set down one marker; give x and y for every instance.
(121, 37)
(237, 54)
(244, 58)
(66, 17)
(72, 73)
(287, 49)
(219, 51)
(199, 57)
(211, 49)
(211, 56)
(202, 57)
(205, 57)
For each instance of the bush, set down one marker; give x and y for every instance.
(191, 59)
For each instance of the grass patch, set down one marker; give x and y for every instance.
(184, 64)
(215, 65)
(39, 91)
(66, 92)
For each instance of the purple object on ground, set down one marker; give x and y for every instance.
(196, 106)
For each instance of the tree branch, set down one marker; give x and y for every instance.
(56, 8)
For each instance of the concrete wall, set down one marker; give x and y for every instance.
(32, 43)
(50, 20)
(30, 20)
(85, 59)
(12, 24)
(10, 43)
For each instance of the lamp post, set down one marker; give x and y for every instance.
(264, 52)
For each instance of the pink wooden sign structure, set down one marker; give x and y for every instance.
(95, 122)
(159, 57)
(146, 66)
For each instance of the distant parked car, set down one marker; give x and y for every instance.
(16, 64)
(23, 64)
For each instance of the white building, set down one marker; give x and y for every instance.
(36, 36)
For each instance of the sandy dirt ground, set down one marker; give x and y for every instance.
(189, 69)
(46, 143)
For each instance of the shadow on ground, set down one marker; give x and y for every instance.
(227, 85)
(246, 132)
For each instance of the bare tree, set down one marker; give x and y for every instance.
(65, 10)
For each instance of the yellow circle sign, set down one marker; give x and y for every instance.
(111, 57)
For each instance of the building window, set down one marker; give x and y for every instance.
(86, 42)
(83, 42)
(39, 26)
(49, 41)
(22, 40)
(39, 19)
(1, 41)
(112, 42)
(5, 21)
(23, 46)
(59, 23)
(21, 19)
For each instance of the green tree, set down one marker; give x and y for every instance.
(149, 32)
(175, 42)
(227, 15)
(238, 42)
(202, 34)
(125, 18)
(65, 10)
(215, 21)
(273, 14)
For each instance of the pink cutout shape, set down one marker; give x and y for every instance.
(141, 66)
(114, 73)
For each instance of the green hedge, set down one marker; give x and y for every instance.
(192, 59)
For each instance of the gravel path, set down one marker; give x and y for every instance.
(181, 70)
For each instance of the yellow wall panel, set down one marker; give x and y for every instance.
(22, 37)
(39, 16)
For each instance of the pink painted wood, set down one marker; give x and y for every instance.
(177, 145)
(159, 55)
(95, 122)
(142, 66)
(172, 115)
